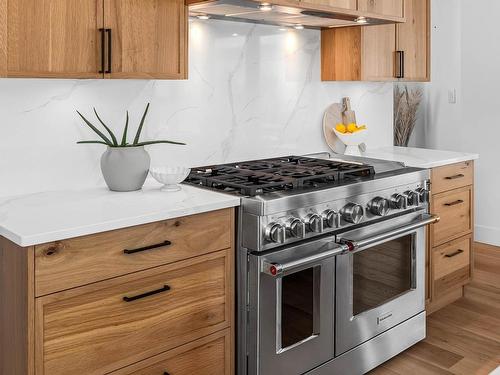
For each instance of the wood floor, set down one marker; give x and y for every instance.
(464, 337)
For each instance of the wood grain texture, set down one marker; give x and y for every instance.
(378, 53)
(487, 264)
(462, 338)
(413, 37)
(92, 330)
(70, 263)
(149, 38)
(455, 209)
(383, 7)
(344, 4)
(16, 309)
(51, 38)
(452, 176)
(341, 54)
(451, 257)
(208, 356)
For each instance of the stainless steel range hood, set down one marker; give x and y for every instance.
(286, 13)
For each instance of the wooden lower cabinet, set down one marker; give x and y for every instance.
(449, 263)
(174, 318)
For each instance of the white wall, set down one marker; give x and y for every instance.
(253, 92)
(466, 57)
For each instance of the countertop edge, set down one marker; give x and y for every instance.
(34, 240)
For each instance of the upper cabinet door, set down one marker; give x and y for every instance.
(146, 39)
(383, 7)
(344, 4)
(50, 38)
(413, 38)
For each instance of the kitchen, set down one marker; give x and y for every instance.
(75, 256)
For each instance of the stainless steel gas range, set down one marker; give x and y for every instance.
(330, 262)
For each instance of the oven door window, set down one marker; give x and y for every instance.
(382, 273)
(299, 307)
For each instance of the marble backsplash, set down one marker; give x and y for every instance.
(253, 91)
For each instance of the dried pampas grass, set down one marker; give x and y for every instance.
(406, 103)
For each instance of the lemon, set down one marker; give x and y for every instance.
(352, 127)
(362, 127)
(340, 128)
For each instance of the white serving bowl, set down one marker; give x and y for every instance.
(352, 140)
(170, 177)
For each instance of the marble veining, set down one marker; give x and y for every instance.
(253, 91)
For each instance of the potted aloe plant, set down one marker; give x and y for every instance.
(124, 165)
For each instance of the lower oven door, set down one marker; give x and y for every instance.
(291, 309)
(381, 285)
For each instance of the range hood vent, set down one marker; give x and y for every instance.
(283, 15)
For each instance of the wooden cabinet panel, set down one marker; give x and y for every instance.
(452, 176)
(378, 47)
(451, 257)
(51, 38)
(83, 260)
(341, 54)
(344, 4)
(384, 7)
(208, 356)
(94, 329)
(149, 38)
(413, 37)
(454, 208)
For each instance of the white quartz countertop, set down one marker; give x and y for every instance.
(50, 216)
(419, 157)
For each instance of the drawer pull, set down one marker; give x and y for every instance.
(165, 288)
(459, 201)
(455, 177)
(458, 252)
(165, 373)
(145, 248)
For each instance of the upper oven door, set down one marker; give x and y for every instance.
(381, 285)
(291, 326)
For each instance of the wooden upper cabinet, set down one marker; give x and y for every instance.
(383, 7)
(50, 38)
(413, 38)
(148, 38)
(344, 4)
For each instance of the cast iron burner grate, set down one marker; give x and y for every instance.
(251, 178)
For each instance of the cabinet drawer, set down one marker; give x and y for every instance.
(78, 261)
(451, 265)
(452, 176)
(108, 325)
(454, 208)
(210, 355)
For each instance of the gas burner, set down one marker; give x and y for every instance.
(251, 178)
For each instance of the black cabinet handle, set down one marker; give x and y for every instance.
(455, 177)
(103, 53)
(459, 201)
(147, 294)
(459, 251)
(165, 373)
(400, 64)
(110, 50)
(145, 248)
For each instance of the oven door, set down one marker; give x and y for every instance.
(382, 284)
(291, 308)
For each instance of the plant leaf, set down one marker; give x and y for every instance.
(97, 131)
(124, 137)
(92, 142)
(115, 142)
(156, 142)
(138, 134)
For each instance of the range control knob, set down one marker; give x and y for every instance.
(296, 227)
(379, 206)
(314, 223)
(423, 195)
(331, 218)
(275, 232)
(412, 198)
(352, 213)
(399, 201)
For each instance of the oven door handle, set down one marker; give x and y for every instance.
(343, 246)
(365, 243)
